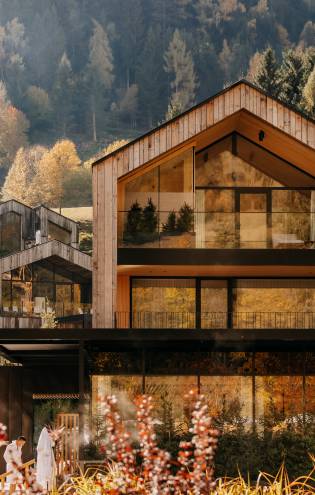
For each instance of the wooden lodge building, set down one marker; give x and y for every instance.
(203, 273)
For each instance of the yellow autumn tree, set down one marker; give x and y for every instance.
(13, 129)
(54, 166)
(23, 171)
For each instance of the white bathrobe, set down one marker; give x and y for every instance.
(13, 454)
(46, 465)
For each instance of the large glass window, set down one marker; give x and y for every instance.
(126, 389)
(157, 208)
(163, 303)
(232, 194)
(230, 398)
(10, 233)
(214, 304)
(170, 400)
(36, 288)
(228, 164)
(265, 399)
(58, 233)
(277, 303)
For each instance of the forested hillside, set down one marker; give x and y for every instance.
(94, 71)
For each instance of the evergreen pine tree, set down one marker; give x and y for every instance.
(179, 63)
(185, 221)
(149, 219)
(267, 75)
(99, 72)
(170, 225)
(134, 223)
(63, 95)
(294, 72)
(309, 93)
(151, 77)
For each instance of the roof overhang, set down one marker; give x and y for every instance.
(61, 255)
(241, 107)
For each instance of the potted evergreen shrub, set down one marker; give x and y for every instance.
(169, 227)
(185, 221)
(133, 224)
(149, 231)
(142, 223)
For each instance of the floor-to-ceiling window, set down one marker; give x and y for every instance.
(274, 303)
(256, 399)
(37, 288)
(232, 194)
(217, 303)
(156, 209)
(164, 302)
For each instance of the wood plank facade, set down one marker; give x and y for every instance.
(241, 107)
(75, 260)
(39, 218)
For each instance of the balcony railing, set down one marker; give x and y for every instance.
(29, 308)
(215, 320)
(221, 218)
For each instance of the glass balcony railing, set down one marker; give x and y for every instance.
(226, 218)
(215, 320)
(216, 230)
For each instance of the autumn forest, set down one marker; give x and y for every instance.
(79, 75)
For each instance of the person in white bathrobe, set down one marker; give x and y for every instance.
(46, 464)
(13, 459)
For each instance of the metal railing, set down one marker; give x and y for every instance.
(31, 308)
(215, 320)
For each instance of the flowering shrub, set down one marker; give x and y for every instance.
(157, 473)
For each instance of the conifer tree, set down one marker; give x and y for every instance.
(170, 225)
(151, 77)
(179, 64)
(149, 218)
(185, 221)
(309, 93)
(63, 95)
(38, 108)
(294, 72)
(134, 223)
(99, 71)
(267, 75)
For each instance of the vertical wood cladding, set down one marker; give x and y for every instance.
(149, 147)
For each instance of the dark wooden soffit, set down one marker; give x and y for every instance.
(57, 252)
(185, 340)
(160, 256)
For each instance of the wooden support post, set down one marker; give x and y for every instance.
(82, 412)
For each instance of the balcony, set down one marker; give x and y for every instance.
(31, 309)
(216, 320)
(224, 218)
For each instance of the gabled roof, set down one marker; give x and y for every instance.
(56, 251)
(22, 206)
(242, 97)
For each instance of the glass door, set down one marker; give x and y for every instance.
(253, 210)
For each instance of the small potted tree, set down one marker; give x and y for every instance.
(149, 231)
(133, 224)
(185, 221)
